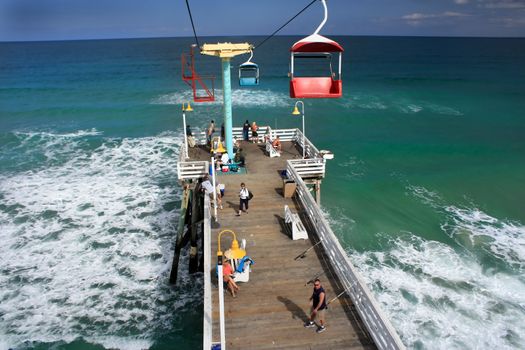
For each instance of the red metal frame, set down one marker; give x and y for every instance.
(194, 80)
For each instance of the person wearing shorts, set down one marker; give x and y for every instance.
(318, 308)
(255, 135)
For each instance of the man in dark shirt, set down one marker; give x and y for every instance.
(318, 299)
(245, 130)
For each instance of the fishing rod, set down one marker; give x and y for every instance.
(337, 297)
(315, 277)
(303, 254)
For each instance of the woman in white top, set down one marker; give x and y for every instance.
(244, 195)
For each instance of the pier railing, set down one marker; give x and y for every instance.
(190, 169)
(208, 316)
(307, 168)
(312, 166)
(378, 325)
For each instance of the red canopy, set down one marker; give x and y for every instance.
(316, 43)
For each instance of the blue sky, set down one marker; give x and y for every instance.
(93, 19)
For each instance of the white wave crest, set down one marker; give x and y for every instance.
(240, 97)
(439, 299)
(356, 168)
(503, 239)
(473, 228)
(79, 133)
(403, 105)
(86, 244)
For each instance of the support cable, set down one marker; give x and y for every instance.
(192, 25)
(281, 27)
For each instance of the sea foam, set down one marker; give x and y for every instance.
(86, 242)
(474, 229)
(439, 298)
(240, 97)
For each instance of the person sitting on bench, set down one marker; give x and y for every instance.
(276, 144)
(236, 145)
(239, 157)
(223, 159)
(227, 275)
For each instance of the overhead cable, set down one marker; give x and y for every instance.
(284, 25)
(192, 25)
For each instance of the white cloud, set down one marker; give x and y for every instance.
(509, 22)
(503, 4)
(461, 2)
(416, 18)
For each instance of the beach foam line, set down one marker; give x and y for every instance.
(87, 242)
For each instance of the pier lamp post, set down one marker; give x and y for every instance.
(296, 112)
(184, 110)
(235, 253)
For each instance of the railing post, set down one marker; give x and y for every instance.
(221, 302)
(214, 189)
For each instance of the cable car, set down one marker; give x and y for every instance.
(249, 73)
(316, 47)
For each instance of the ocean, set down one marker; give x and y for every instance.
(426, 190)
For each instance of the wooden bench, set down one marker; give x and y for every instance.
(298, 229)
(272, 152)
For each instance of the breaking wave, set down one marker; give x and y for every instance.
(240, 97)
(439, 298)
(86, 241)
(503, 240)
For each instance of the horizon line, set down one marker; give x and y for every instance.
(259, 35)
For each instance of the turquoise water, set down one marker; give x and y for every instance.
(425, 191)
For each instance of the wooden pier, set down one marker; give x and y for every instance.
(271, 308)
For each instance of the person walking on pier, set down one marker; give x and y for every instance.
(318, 299)
(244, 195)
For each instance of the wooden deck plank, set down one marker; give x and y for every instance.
(270, 309)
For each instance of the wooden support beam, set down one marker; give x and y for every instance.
(195, 217)
(180, 235)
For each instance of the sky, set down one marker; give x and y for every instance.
(25, 20)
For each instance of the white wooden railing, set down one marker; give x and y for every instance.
(192, 170)
(208, 311)
(378, 325)
(313, 166)
(311, 151)
(308, 168)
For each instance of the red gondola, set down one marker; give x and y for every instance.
(316, 47)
